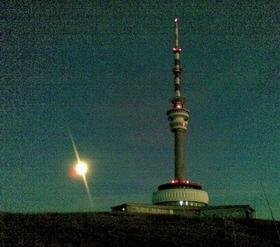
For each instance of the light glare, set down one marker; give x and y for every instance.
(81, 168)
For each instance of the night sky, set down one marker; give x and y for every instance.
(103, 69)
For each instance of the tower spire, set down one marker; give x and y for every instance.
(176, 32)
(176, 50)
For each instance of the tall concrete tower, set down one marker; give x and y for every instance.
(180, 191)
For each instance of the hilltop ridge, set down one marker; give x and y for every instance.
(123, 229)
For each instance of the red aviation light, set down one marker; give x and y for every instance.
(175, 181)
(176, 49)
(185, 181)
(178, 105)
(176, 20)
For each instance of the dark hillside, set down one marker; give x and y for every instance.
(117, 229)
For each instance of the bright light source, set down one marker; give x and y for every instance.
(81, 168)
(181, 203)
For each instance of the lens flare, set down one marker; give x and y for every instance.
(81, 168)
(88, 191)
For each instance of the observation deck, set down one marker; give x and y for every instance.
(181, 194)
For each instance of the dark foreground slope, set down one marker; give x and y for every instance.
(117, 229)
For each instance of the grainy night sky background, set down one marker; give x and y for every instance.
(103, 68)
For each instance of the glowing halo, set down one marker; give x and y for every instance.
(81, 168)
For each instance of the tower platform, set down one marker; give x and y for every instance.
(181, 194)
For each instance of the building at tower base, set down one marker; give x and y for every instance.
(228, 211)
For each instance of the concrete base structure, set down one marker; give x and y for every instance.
(182, 197)
(181, 194)
(229, 211)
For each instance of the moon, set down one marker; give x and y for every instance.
(81, 168)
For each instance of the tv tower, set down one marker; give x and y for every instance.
(180, 191)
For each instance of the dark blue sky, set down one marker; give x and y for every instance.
(103, 68)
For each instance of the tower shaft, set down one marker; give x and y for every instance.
(179, 155)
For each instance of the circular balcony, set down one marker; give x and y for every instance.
(180, 98)
(181, 196)
(178, 125)
(175, 113)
